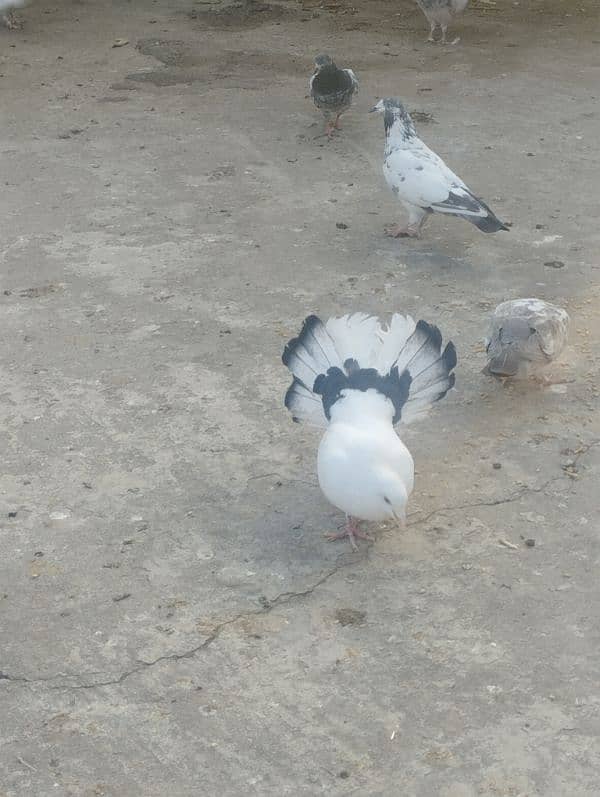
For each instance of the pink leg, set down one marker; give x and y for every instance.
(338, 124)
(408, 231)
(329, 128)
(352, 531)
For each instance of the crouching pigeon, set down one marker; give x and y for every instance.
(358, 379)
(440, 13)
(421, 180)
(7, 13)
(524, 336)
(332, 90)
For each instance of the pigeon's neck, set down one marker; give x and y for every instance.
(363, 408)
(399, 128)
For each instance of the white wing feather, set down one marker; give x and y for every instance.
(420, 177)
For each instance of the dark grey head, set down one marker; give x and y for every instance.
(510, 346)
(393, 111)
(323, 60)
(515, 330)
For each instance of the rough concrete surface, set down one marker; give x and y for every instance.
(172, 620)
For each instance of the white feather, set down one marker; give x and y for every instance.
(393, 339)
(357, 337)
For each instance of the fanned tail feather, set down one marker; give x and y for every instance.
(304, 405)
(393, 339)
(311, 353)
(403, 361)
(356, 337)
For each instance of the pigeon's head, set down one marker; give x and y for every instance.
(393, 496)
(323, 60)
(390, 104)
(510, 345)
(394, 112)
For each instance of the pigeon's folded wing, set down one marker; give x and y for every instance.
(423, 179)
(353, 78)
(552, 335)
(418, 178)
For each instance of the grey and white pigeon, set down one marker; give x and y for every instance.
(358, 379)
(440, 13)
(524, 336)
(421, 180)
(332, 90)
(7, 13)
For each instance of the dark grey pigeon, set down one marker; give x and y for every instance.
(421, 180)
(332, 89)
(440, 13)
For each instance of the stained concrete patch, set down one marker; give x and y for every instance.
(186, 62)
(244, 15)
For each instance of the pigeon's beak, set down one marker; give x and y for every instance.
(374, 109)
(400, 519)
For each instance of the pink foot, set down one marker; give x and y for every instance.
(352, 531)
(396, 231)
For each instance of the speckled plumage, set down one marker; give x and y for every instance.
(332, 90)
(421, 180)
(524, 336)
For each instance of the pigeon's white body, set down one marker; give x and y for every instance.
(421, 180)
(524, 336)
(361, 459)
(440, 13)
(358, 379)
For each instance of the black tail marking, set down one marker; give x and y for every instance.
(394, 386)
(303, 339)
(487, 224)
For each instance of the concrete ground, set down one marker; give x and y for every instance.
(172, 620)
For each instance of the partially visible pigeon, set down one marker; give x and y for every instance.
(421, 180)
(7, 13)
(359, 379)
(332, 89)
(524, 336)
(440, 12)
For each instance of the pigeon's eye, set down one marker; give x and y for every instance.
(387, 500)
(532, 330)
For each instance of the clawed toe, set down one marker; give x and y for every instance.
(396, 231)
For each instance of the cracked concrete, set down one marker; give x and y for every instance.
(169, 607)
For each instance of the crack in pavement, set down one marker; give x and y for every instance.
(494, 502)
(267, 606)
(286, 597)
(580, 452)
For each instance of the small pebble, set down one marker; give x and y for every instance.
(496, 465)
(12, 514)
(341, 226)
(530, 542)
(554, 264)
